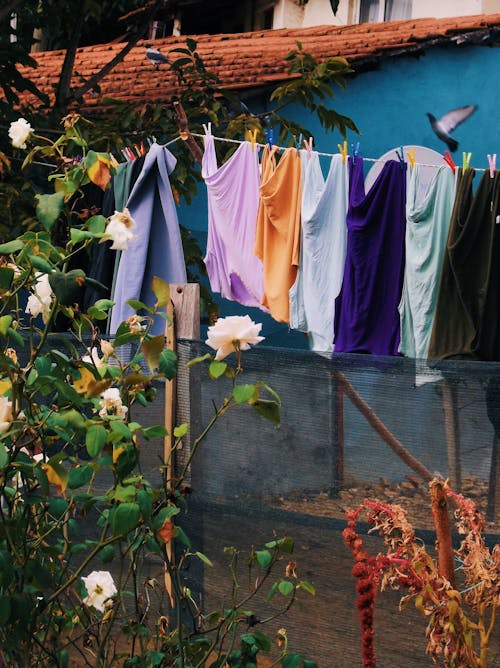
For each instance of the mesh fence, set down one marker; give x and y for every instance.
(352, 427)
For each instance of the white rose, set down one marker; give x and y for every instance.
(100, 588)
(233, 333)
(5, 414)
(40, 301)
(120, 229)
(134, 324)
(111, 403)
(19, 132)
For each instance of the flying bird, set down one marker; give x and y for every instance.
(447, 123)
(155, 56)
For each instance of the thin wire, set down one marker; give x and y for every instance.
(328, 155)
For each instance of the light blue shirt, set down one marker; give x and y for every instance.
(323, 247)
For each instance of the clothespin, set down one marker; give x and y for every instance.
(208, 128)
(466, 159)
(125, 154)
(130, 153)
(143, 150)
(449, 161)
(269, 138)
(137, 150)
(401, 155)
(492, 161)
(113, 160)
(411, 157)
(308, 145)
(298, 144)
(355, 152)
(252, 137)
(343, 151)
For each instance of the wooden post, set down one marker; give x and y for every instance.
(443, 531)
(493, 507)
(183, 322)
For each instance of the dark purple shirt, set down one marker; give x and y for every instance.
(366, 311)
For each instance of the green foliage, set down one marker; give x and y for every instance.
(74, 496)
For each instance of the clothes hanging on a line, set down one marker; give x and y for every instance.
(323, 244)
(156, 249)
(277, 240)
(427, 224)
(233, 201)
(367, 316)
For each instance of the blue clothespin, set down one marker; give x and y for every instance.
(298, 144)
(269, 138)
(355, 152)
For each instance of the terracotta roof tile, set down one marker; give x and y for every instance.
(247, 60)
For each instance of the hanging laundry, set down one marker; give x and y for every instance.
(156, 249)
(466, 323)
(322, 249)
(233, 202)
(105, 261)
(277, 240)
(366, 311)
(427, 223)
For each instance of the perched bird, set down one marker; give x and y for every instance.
(155, 56)
(447, 123)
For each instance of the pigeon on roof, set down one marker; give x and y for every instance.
(447, 123)
(155, 56)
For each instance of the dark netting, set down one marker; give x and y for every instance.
(353, 427)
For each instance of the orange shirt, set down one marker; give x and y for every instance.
(277, 238)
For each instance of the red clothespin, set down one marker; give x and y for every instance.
(308, 145)
(492, 162)
(449, 161)
(143, 149)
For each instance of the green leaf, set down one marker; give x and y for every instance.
(11, 247)
(269, 409)
(243, 393)
(168, 363)
(161, 291)
(125, 518)
(204, 558)
(164, 515)
(264, 557)
(181, 430)
(145, 501)
(152, 349)
(286, 544)
(272, 591)
(67, 287)
(216, 369)
(307, 586)
(48, 208)
(107, 553)
(197, 360)
(139, 306)
(291, 661)
(155, 431)
(4, 456)
(262, 641)
(120, 428)
(5, 321)
(15, 337)
(181, 535)
(285, 587)
(40, 264)
(6, 276)
(79, 476)
(309, 664)
(95, 439)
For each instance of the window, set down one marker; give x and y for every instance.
(384, 10)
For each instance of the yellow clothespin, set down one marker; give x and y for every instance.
(343, 151)
(411, 156)
(466, 160)
(113, 160)
(252, 137)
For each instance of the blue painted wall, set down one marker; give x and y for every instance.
(389, 105)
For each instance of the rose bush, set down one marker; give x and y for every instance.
(78, 517)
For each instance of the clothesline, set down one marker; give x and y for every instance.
(327, 155)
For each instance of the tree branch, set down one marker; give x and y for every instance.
(64, 84)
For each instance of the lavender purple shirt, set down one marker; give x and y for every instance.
(233, 202)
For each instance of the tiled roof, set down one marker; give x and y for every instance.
(253, 59)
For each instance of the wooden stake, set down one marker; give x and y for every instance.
(452, 424)
(443, 530)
